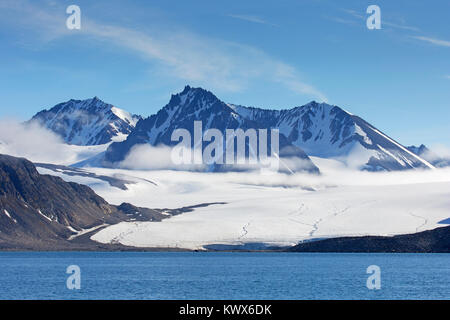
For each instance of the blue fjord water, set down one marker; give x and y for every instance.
(197, 275)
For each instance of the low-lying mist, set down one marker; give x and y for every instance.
(38, 144)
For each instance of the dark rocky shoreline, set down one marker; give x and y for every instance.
(430, 241)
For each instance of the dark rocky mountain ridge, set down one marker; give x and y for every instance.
(196, 104)
(44, 211)
(315, 129)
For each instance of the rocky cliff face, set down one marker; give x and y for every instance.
(37, 208)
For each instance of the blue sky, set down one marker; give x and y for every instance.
(273, 54)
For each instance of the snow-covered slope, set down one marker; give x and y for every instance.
(87, 122)
(327, 131)
(317, 129)
(197, 104)
(280, 209)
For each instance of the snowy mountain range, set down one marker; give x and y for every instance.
(197, 104)
(87, 122)
(327, 131)
(315, 129)
(312, 130)
(247, 209)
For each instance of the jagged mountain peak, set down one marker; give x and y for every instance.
(91, 104)
(419, 150)
(193, 99)
(314, 105)
(191, 92)
(87, 122)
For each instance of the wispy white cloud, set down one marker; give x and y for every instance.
(399, 26)
(46, 25)
(217, 64)
(250, 18)
(437, 42)
(341, 20)
(288, 76)
(39, 144)
(353, 13)
(404, 26)
(199, 60)
(441, 150)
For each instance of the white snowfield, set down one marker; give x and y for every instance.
(278, 209)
